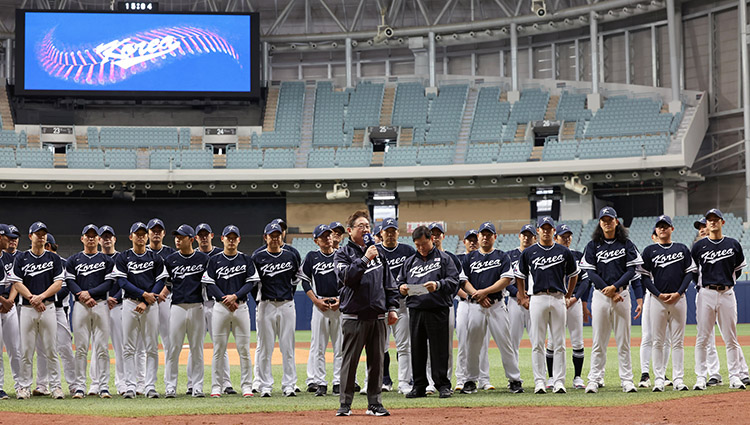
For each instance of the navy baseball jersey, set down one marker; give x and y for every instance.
(514, 255)
(90, 273)
(318, 274)
(285, 247)
(279, 274)
(718, 261)
(230, 275)
(164, 252)
(397, 256)
(214, 251)
(114, 290)
(546, 268)
(667, 268)
(6, 259)
(37, 273)
(583, 286)
(610, 260)
(437, 267)
(185, 274)
(137, 274)
(483, 270)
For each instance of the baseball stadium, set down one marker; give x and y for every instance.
(396, 211)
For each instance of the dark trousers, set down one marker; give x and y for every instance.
(358, 334)
(429, 325)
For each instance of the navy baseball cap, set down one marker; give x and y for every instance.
(699, 223)
(562, 229)
(716, 212)
(4, 230)
(320, 229)
(337, 225)
(487, 226)
(437, 225)
(37, 226)
(663, 219)
(389, 223)
(272, 227)
(138, 225)
(185, 230)
(155, 222)
(541, 221)
(231, 229)
(106, 228)
(280, 222)
(527, 228)
(203, 226)
(377, 229)
(86, 229)
(51, 239)
(469, 233)
(14, 232)
(607, 212)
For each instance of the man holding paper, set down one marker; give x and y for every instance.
(429, 280)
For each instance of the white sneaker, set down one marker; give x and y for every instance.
(386, 388)
(550, 383)
(667, 383)
(57, 393)
(658, 385)
(578, 383)
(23, 394)
(736, 384)
(488, 387)
(430, 390)
(406, 390)
(459, 386)
(363, 390)
(700, 384)
(628, 387)
(679, 386)
(559, 388)
(592, 387)
(540, 388)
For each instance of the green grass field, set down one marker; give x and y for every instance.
(608, 396)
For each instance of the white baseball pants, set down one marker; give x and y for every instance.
(223, 322)
(186, 319)
(276, 318)
(91, 324)
(12, 341)
(462, 329)
(712, 306)
(647, 334)
(547, 311)
(324, 325)
(495, 318)
(43, 326)
(146, 326)
(64, 340)
(520, 318)
(607, 316)
(208, 309)
(668, 324)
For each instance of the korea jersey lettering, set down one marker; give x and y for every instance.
(285, 247)
(610, 259)
(718, 261)
(230, 275)
(546, 268)
(137, 274)
(483, 270)
(185, 274)
(37, 273)
(667, 268)
(318, 274)
(436, 267)
(279, 274)
(84, 272)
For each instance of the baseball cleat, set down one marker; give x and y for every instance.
(386, 388)
(679, 386)
(645, 381)
(714, 382)
(321, 391)
(540, 388)
(128, 395)
(344, 410)
(336, 389)
(700, 384)
(488, 387)
(152, 394)
(578, 383)
(746, 380)
(559, 388)
(265, 394)
(312, 387)
(248, 394)
(40, 391)
(550, 383)
(189, 391)
(404, 390)
(198, 394)
(628, 387)
(297, 390)
(290, 393)
(469, 388)
(459, 387)
(57, 394)
(23, 394)
(430, 390)
(215, 395)
(93, 391)
(78, 394)
(363, 391)
(667, 383)
(516, 387)
(170, 394)
(3, 395)
(445, 392)
(357, 388)
(736, 384)
(230, 391)
(377, 410)
(592, 388)
(658, 386)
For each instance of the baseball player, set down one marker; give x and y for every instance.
(185, 268)
(86, 276)
(205, 236)
(140, 273)
(488, 272)
(337, 233)
(319, 283)
(155, 238)
(551, 272)
(276, 315)
(38, 275)
(471, 243)
(228, 278)
(376, 233)
(281, 223)
(574, 314)
(8, 313)
(610, 259)
(519, 315)
(720, 260)
(666, 272)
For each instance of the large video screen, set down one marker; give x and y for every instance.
(137, 54)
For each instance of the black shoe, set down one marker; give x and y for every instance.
(312, 387)
(152, 394)
(189, 391)
(336, 389)
(377, 410)
(344, 410)
(446, 392)
(516, 387)
(713, 382)
(128, 394)
(357, 388)
(230, 391)
(746, 381)
(470, 387)
(416, 393)
(3, 395)
(320, 391)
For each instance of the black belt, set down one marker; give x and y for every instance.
(462, 298)
(718, 287)
(548, 292)
(277, 300)
(135, 300)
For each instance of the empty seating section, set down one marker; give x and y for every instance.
(8, 158)
(165, 159)
(288, 122)
(401, 156)
(34, 158)
(572, 107)
(556, 150)
(482, 153)
(436, 155)
(490, 116)
(197, 159)
(364, 106)
(623, 116)
(530, 107)
(321, 158)
(353, 157)
(515, 152)
(328, 129)
(623, 147)
(137, 137)
(410, 107)
(11, 138)
(120, 158)
(445, 114)
(244, 158)
(278, 158)
(85, 158)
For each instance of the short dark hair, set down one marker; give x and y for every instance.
(421, 232)
(357, 214)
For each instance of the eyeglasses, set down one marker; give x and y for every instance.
(362, 226)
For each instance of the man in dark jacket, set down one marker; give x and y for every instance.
(368, 295)
(434, 271)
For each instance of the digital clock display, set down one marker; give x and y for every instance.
(137, 6)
